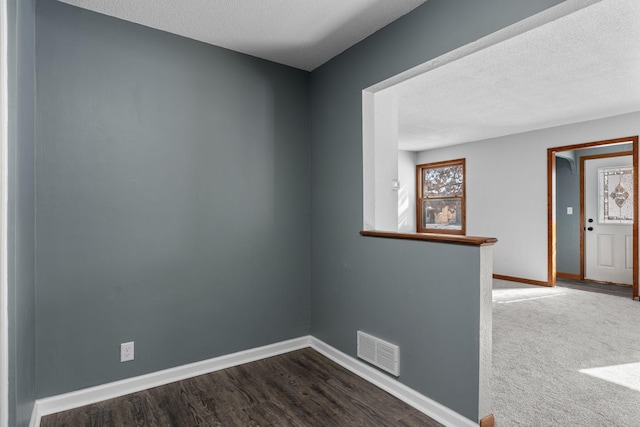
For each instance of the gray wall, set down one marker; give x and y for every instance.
(414, 294)
(21, 226)
(174, 206)
(568, 194)
(173, 200)
(567, 226)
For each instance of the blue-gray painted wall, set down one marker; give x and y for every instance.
(567, 226)
(174, 205)
(173, 200)
(419, 296)
(21, 16)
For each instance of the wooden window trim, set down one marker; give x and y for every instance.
(419, 198)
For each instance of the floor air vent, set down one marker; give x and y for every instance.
(379, 353)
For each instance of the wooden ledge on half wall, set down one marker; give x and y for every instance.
(488, 421)
(431, 237)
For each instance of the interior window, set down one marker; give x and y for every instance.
(441, 197)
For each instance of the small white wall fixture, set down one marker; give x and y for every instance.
(407, 161)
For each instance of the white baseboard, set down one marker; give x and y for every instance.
(76, 399)
(87, 396)
(422, 403)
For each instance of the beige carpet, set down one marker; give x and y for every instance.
(564, 357)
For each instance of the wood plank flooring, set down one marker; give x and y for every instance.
(602, 288)
(301, 388)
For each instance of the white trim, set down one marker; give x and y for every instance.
(4, 292)
(430, 407)
(36, 416)
(76, 399)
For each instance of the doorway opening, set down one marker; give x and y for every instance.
(552, 193)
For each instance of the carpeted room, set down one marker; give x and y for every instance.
(564, 357)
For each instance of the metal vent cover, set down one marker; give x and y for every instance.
(379, 353)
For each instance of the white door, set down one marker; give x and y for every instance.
(608, 213)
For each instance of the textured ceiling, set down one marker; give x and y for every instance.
(300, 33)
(580, 67)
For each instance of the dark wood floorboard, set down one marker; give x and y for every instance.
(601, 288)
(298, 389)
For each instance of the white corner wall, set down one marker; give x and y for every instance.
(407, 191)
(380, 160)
(507, 188)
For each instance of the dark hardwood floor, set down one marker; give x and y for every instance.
(301, 388)
(602, 288)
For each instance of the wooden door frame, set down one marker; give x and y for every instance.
(551, 207)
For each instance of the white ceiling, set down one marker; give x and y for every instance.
(300, 33)
(580, 67)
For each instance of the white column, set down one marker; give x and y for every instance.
(386, 160)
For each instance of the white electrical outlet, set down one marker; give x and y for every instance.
(126, 351)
